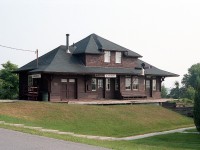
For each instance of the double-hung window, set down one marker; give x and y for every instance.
(30, 81)
(135, 83)
(116, 84)
(107, 56)
(107, 84)
(128, 83)
(154, 85)
(118, 57)
(94, 84)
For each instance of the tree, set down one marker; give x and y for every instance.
(189, 93)
(197, 105)
(163, 91)
(189, 79)
(175, 92)
(8, 81)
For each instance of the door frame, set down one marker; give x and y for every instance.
(67, 83)
(150, 94)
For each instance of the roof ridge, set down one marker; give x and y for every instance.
(91, 40)
(95, 37)
(56, 49)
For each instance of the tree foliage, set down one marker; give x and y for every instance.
(189, 93)
(163, 91)
(175, 92)
(197, 105)
(8, 81)
(189, 79)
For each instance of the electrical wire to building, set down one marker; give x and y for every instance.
(19, 49)
(26, 50)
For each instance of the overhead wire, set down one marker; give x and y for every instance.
(19, 49)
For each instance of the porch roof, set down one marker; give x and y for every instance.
(154, 71)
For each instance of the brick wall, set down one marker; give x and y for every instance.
(98, 60)
(141, 89)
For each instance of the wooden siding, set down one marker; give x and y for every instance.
(23, 85)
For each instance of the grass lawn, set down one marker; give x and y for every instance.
(175, 141)
(116, 121)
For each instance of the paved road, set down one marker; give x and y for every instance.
(13, 140)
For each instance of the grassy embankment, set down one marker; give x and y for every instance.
(116, 121)
(175, 141)
(103, 120)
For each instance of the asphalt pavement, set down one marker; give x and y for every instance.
(13, 140)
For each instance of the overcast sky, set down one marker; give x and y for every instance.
(165, 32)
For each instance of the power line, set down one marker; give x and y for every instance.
(19, 49)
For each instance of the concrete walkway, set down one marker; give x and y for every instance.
(96, 137)
(103, 101)
(118, 102)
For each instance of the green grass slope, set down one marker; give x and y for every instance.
(117, 121)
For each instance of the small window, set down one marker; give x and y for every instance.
(154, 85)
(147, 84)
(116, 84)
(71, 80)
(63, 80)
(135, 83)
(94, 83)
(118, 57)
(100, 83)
(30, 81)
(106, 56)
(107, 84)
(128, 83)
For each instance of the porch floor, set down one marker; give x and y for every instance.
(115, 102)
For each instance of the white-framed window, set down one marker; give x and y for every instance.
(154, 85)
(116, 84)
(135, 83)
(106, 56)
(107, 84)
(128, 83)
(118, 57)
(94, 84)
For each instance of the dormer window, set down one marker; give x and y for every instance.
(118, 57)
(107, 56)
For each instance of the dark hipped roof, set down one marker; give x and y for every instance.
(94, 44)
(58, 61)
